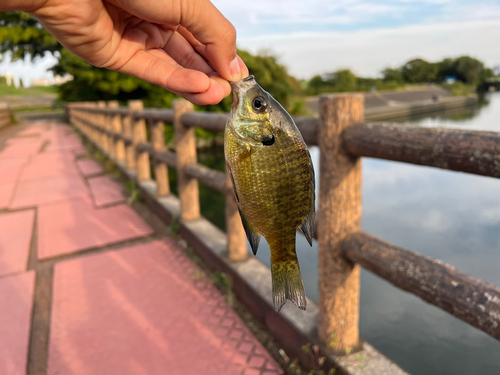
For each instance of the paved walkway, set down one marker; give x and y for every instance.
(88, 287)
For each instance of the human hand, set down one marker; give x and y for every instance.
(186, 46)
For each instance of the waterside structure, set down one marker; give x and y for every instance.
(133, 138)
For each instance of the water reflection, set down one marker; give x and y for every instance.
(446, 215)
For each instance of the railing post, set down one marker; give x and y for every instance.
(93, 119)
(119, 144)
(69, 115)
(339, 215)
(133, 105)
(236, 238)
(101, 121)
(185, 145)
(161, 169)
(110, 127)
(140, 136)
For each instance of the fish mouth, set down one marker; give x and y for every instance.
(243, 84)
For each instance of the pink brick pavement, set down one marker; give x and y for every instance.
(6, 193)
(146, 309)
(47, 165)
(41, 191)
(106, 191)
(75, 225)
(20, 149)
(89, 167)
(16, 301)
(15, 239)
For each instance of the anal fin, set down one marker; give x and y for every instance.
(307, 226)
(252, 235)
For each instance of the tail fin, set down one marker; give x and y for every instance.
(287, 284)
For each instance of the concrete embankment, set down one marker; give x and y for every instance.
(392, 105)
(407, 110)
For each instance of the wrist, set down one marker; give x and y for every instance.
(27, 6)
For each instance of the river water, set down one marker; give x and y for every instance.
(451, 216)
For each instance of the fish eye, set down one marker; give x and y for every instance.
(259, 104)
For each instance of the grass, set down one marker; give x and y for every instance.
(28, 91)
(459, 88)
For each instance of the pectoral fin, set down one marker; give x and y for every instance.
(252, 235)
(307, 226)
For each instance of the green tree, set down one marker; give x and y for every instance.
(339, 81)
(446, 68)
(316, 85)
(23, 36)
(486, 74)
(345, 80)
(469, 70)
(391, 74)
(419, 71)
(273, 77)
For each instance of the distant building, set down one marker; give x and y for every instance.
(41, 81)
(58, 80)
(450, 79)
(9, 79)
(496, 70)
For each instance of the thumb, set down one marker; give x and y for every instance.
(213, 37)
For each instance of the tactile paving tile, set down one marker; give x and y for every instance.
(15, 238)
(43, 166)
(89, 167)
(146, 309)
(16, 301)
(36, 192)
(76, 225)
(106, 191)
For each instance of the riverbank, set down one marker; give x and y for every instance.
(390, 105)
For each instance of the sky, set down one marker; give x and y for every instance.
(314, 37)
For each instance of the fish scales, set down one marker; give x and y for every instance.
(273, 179)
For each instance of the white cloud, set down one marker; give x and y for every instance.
(367, 52)
(279, 12)
(464, 13)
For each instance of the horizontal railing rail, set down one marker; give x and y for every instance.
(462, 150)
(469, 151)
(474, 301)
(343, 138)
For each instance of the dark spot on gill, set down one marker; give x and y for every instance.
(268, 141)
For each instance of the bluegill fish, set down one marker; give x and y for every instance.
(273, 180)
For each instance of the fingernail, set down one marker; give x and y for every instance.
(234, 69)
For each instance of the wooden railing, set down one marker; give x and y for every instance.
(343, 138)
(5, 117)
